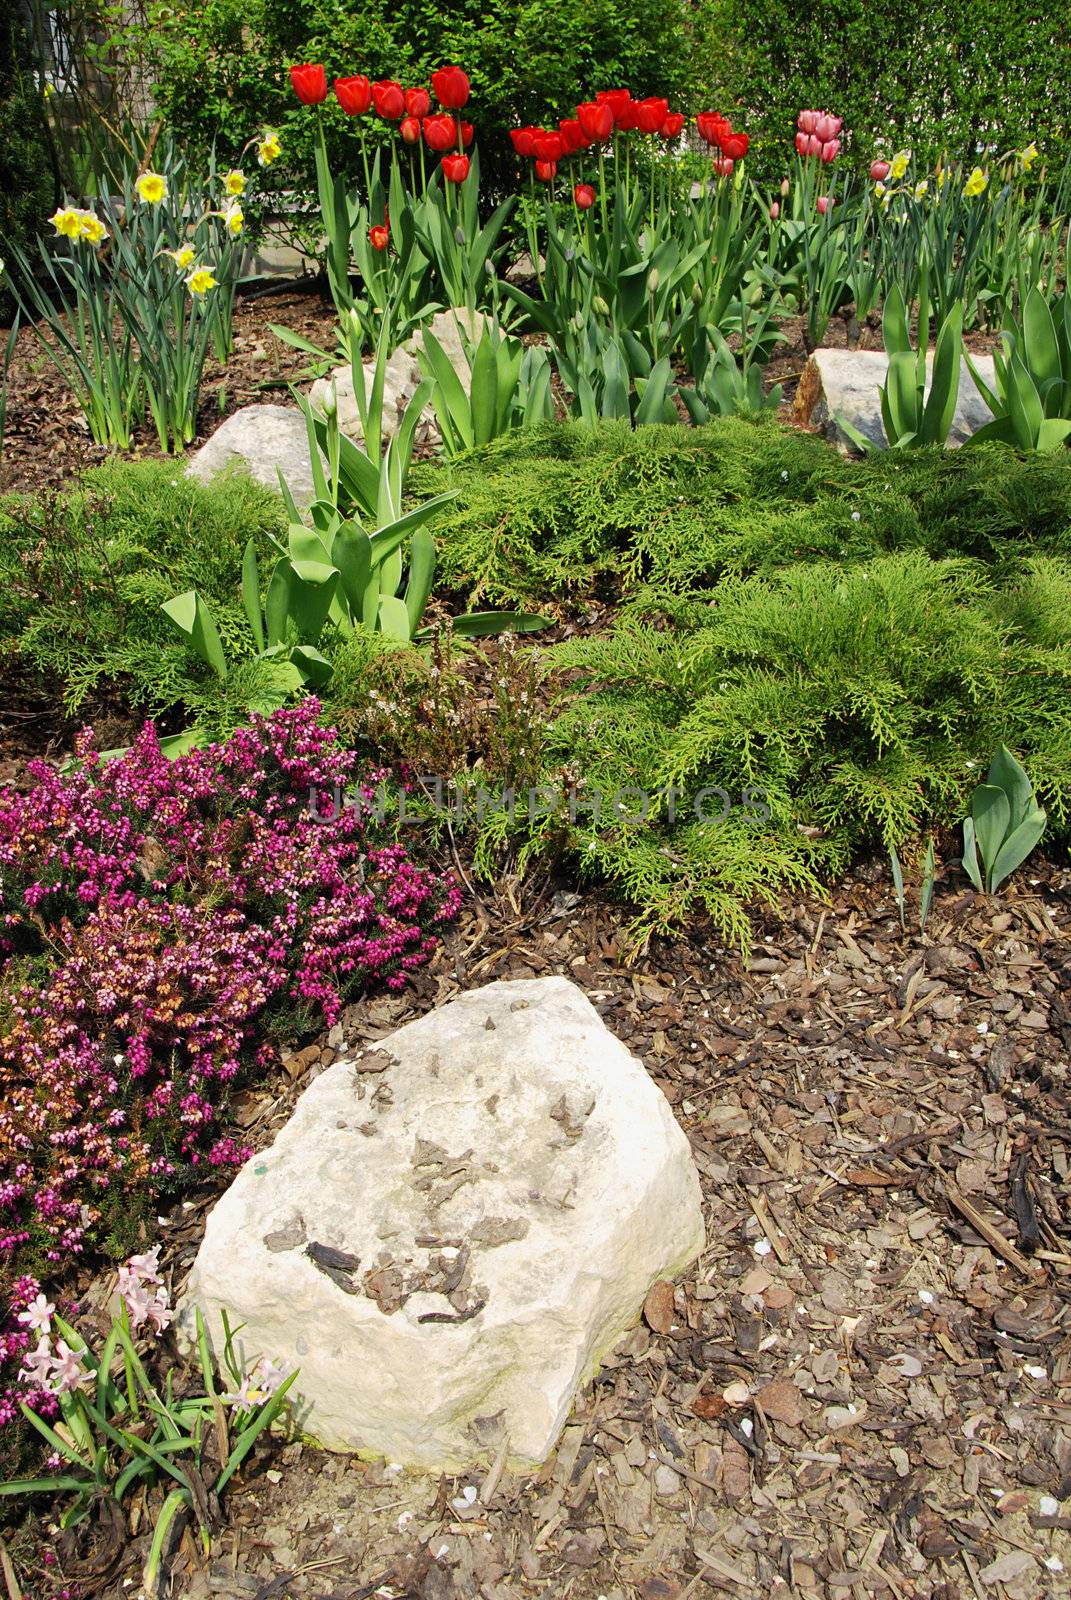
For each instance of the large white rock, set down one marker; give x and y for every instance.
(503, 1182)
(846, 383)
(402, 376)
(259, 439)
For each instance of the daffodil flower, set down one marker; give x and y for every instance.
(234, 183)
(234, 217)
(879, 190)
(67, 221)
(922, 189)
(92, 228)
(183, 257)
(900, 163)
(976, 183)
(200, 280)
(151, 187)
(1028, 156)
(269, 149)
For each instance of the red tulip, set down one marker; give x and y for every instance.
(712, 126)
(455, 167)
(824, 202)
(354, 94)
(734, 145)
(596, 118)
(440, 132)
(807, 121)
(467, 131)
(548, 146)
(650, 114)
(584, 195)
(619, 101)
(378, 238)
(310, 83)
(828, 127)
(545, 170)
(625, 121)
(409, 128)
(775, 211)
(572, 136)
(671, 127)
(417, 102)
(829, 150)
(451, 87)
(879, 171)
(723, 166)
(523, 140)
(388, 98)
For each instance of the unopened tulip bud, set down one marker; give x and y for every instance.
(330, 402)
(652, 281)
(785, 187)
(775, 211)
(599, 304)
(697, 294)
(459, 235)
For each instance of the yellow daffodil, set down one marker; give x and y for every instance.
(92, 228)
(183, 257)
(976, 183)
(200, 280)
(67, 221)
(922, 189)
(942, 177)
(234, 217)
(234, 183)
(900, 163)
(151, 187)
(269, 149)
(47, 92)
(1028, 156)
(879, 190)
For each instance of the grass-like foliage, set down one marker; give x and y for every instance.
(83, 577)
(561, 513)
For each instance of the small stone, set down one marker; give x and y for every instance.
(667, 1482)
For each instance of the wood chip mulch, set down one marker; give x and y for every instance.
(863, 1388)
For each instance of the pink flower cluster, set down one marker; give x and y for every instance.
(158, 921)
(817, 134)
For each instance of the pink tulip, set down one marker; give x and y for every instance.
(807, 121)
(879, 171)
(775, 211)
(723, 166)
(829, 150)
(814, 145)
(801, 143)
(828, 127)
(823, 203)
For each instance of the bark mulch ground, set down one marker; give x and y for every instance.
(863, 1388)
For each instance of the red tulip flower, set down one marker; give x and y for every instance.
(451, 87)
(823, 203)
(620, 102)
(829, 150)
(734, 145)
(354, 94)
(548, 146)
(388, 98)
(440, 132)
(584, 195)
(522, 139)
(671, 127)
(417, 102)
(455, 168)
(828, 127)
(879, 171)
(378, 237)
(712, 126)
(723, 166)
(310, 83)
(467, 131)
(649, 115)
(545, 170)
(807, 121)
(775, 211)
(409, 128)
(572, 136)
(596, 119)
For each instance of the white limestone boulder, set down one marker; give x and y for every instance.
(846, 383)
(453, 1229)
(258, 439)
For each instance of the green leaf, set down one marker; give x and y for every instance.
(394, 618)
(1006, 773)
(189, 613)
(1040, 348)
(991, 811)
(251, 593)
(484, 390)
(1017, 846)
(482, 624)
(940, 407)
(352, 553)
(898, 883)
(421, 576)
(970, 854)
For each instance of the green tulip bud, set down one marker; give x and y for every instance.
(599, 305)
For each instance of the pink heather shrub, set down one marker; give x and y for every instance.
(157, 918)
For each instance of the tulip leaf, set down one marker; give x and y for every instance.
(1017, 846)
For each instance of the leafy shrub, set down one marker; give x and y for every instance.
(163, 923)
(985, 74)
(219, 68)
(83, 576)
(28, 182)
(564, 512)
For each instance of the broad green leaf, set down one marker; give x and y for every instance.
(352, 553)
(970, 854)
(251, 594)
(1006, 773)
(484, 390)
(394, 618)
(940, 405)
(189, 612)
(481, 624)
(991, 811)
(1017, 846)
(1039, 347)
(421, 576)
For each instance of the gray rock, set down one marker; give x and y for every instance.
(453, 1229)
(845, 383)
(260, 439)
